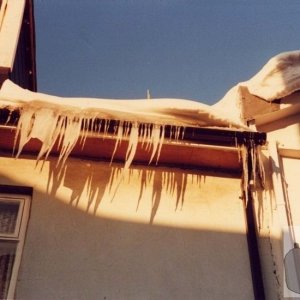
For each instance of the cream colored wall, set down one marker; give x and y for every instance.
(156, 233)
(285, 131)
(282, 191)
(269, 233)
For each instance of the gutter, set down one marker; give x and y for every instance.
(199, 135)
(251, 231)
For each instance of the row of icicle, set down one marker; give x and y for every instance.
(250, 155)
(65, 130)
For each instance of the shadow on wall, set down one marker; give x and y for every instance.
(73, 255)
(95, 180)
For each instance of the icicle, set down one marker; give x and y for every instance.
(70, 137)
(172, 132)
(23, 129)
(61, 130)
(84, 131)
(143, 134)
(127, 128)
(106, 127)
(256, 163)
(182, 134)
(149, 131)
(177, 132)
(44, 119)
(118, 140)
(259, 169)
(132, 145)
(239, 152)
(161, 141)
(261, 166)
(9, 116)
(155, 139)
(47, 147)
(253, 159)
(245, 176)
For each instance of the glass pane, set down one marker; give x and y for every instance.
(7, 257)
(8, 216)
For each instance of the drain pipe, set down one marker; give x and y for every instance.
(251, 232)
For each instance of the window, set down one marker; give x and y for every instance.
(14, 214)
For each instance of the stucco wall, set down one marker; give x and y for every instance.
(278, 206)
(156, 233)
(285, 131)
(269, 233)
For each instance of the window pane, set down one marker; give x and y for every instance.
(7, 257)
(8, 216)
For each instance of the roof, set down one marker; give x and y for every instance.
(161, 126)
(17, 43)
(270, 94)
(172, 132)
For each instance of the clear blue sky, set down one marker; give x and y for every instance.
(176, 48)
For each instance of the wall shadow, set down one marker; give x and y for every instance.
(70, 253)
(73, 255)
(94, 180)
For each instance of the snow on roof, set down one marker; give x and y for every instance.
(66, 120)
(175, 112)
(278, 78)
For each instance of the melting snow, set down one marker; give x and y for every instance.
(67, 120)
(279, 77)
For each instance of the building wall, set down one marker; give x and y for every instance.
(278, 206)
(155, 233)
(269, 233)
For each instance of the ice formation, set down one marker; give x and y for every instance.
(251, 158)
(66, 121)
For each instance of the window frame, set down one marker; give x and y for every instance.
(21, 202)
(18, 236)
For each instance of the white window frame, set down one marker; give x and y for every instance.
(18, 236)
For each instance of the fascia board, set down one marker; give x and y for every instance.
(285, 111)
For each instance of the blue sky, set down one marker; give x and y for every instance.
(185, 49)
